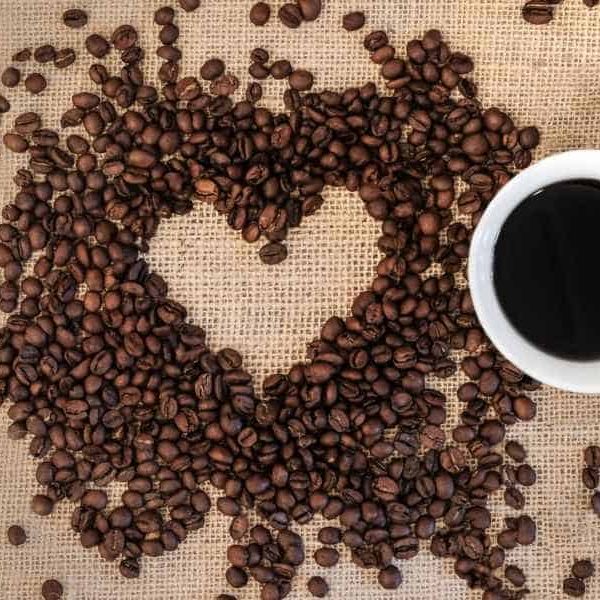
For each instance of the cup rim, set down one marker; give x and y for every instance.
(570, 375)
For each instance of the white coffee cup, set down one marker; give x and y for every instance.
(572, 375)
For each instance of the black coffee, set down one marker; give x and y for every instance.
(546, 269)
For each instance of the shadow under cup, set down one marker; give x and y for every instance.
(521, 337)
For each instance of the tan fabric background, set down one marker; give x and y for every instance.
(547, 76)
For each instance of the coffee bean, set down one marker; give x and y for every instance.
(42, 505)
(390, 578)
(573, 587)
(353, 21)
(15, 143)
(583, 569)
(44, 54)
(516, 451)
(52, 589)
(22, 55)
(35, 83)
(16, 535)
(591, 478)
(10, 77)
(526, 475)
(97, 46)
(254, 92)
(4, 105)
(273, 253)
(326, 557)
(514, 498)
(189, 5)
(514, 575)
(330, 536)
(236, 577)
(526, 530)
(596, 502)
(524, 408)
(281, 69)
(301, 80)
(310, 9)
(318, 587)
(290, 15)
(591, 456)
(64, 58)
(212, 69)
(124, 37)
(260, 14)
(75, 18)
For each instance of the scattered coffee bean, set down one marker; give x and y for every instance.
(390, 578)
(16, 535)
(44, 54)
(4, 104)
(273, 253)
(516, 451)
(15, 142)
(260, 14)
(301, 80)
(514, 575)
(353, 21)
(189, 5)
(290, 15)
(318, 587)
(596, 503)
(574, 587)
(75, 18)
(10, 77)
(212, 69)
(583, 569)
(97, 46)
(22, 55)
(326, 557)
(52, 590)
(35, 83)
(64, 58)
(526, 475)
(310, 9)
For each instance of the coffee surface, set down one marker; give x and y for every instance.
(546, 269)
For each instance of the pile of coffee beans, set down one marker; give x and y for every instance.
(110, 382)
(575, 584)
(541, 12)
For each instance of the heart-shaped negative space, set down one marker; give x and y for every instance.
(113, 383)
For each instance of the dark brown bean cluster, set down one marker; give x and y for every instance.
(574, 585)
(111, 383)
(291, 14)
(541, 12)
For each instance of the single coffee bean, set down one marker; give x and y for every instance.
(52, 589)
(75, 18)
(326, 557)
(64, 58)
(97, 46)
(124, 37)
(260, 14)
(4, 104)
(583, 569)
(514, 575)
(353, 21)
(236, 577)
(273, 253)
(318, 587)
(591, 478)
(130, 568)
(16, 535)
(574, 587)
(254, 92)
(189, 5)
(212, 69)
(22, 55)
(596, 503)
(290, 15)
(330, 536)
(281, 69)
(310, 9)
(15, 143)
(591, 455)
(526, 475)
(516, 451)
(44, 54)
(390, 578)
(514, 498)
(10, 77)
(35, 83)
(301, 80)
(42, 505)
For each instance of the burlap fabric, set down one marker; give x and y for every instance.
(546, 76)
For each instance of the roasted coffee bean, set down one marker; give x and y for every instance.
(10, 77)
(390, 578)
(591, 478)
(514, 498)
(35, 83)
(516, 451)
(124, 37)
(52, 589)
(301, 80)
(212, 69)
(330, 536)
(22, 55)
(15, 143)
(574, 587)
(97, 46)
(514, 575)
(290, 15)
(4, 104)
(16, 535)
(260, 14)
(526, 475)
(310, 9)
(75, 18)
(353, 21)
(281, 69)
(42, 505)
(318, 587)
(44, 54)
(273, 253)
(591, 456)
(189, 5)
(64, 58)
(596, 503)
(326, 557)
(583, 569)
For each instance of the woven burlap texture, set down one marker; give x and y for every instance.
(546, 76)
